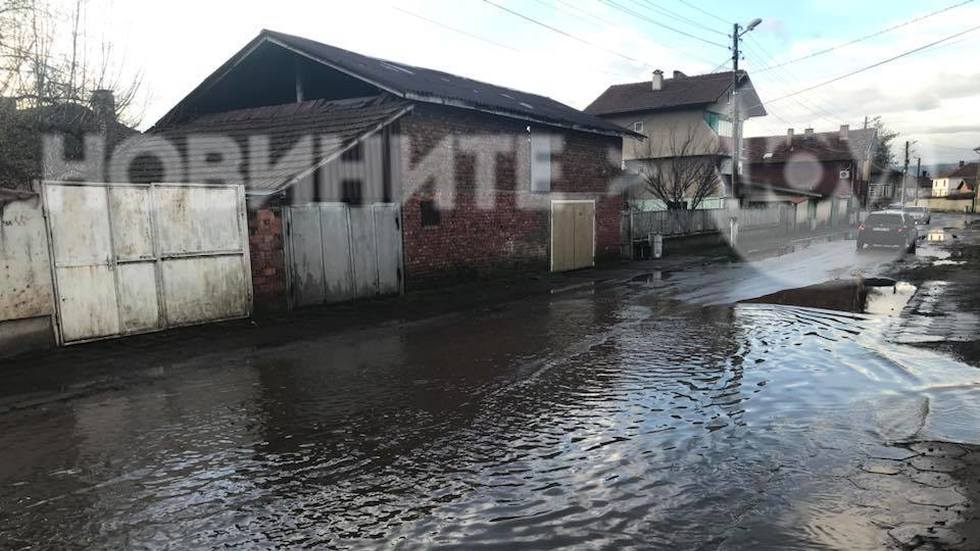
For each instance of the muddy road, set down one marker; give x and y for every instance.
(669, 412)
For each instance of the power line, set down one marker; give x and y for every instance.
(488, 41)
(563, 33)
(706, 12)
(863, 38)
(569, 8)
(456, 30)
(676, 16)
(784, 76)
(878, 64)
(638, 15)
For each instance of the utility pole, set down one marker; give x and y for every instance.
(736, 150)
(905, 173)
(918, 177)
(737, 32)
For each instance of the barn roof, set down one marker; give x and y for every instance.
(420, 84)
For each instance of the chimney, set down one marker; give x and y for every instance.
(844, 130)
(658, 80)
(789, 137)
(678, 74)
(103, 104)
(807, 133)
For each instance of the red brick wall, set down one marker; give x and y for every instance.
(265, 242)
(472, 241)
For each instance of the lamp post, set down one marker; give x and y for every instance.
(737, 33)
(976, 184)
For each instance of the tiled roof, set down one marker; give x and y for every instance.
(824, 146)
(968, 170)
(681, 91)
(289, 128)
(428, 85)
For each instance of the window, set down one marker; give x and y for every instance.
(719, 123)
(351, 192)
(353, 155)
(429, 213)
(638, 127)
(540, 163)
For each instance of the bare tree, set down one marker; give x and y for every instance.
(681, 168)
(37, 69)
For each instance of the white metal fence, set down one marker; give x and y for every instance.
(690, 222)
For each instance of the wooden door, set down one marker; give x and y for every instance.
(572, 235)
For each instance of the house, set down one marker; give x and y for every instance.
(681, 116)
(366, 176)
(824, 170)
(959, 181)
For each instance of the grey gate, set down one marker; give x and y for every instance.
(339, 252)
(133, 258)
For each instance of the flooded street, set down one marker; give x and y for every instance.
(671, 412)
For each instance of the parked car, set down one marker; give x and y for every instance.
(921, 215)
(892, 228)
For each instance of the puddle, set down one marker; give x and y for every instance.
(880, 296)
(944, 262)
(652, 277)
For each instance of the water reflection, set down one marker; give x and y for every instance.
(619, 417)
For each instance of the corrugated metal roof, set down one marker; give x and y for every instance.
(300, 136)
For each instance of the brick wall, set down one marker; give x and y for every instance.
(498, 226)
(265, 240)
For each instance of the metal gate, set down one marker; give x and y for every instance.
(572, 234)
(339, 252)
(134, 258)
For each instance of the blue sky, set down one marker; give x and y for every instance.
(931, 97)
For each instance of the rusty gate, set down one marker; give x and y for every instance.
(339, 252)
(134, 258)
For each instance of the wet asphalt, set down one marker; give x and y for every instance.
(672, 411)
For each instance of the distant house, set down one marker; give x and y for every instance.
(383, 175)
(27, 298)
(670, 112)
(959, 181)
(824, 170)
(21, 132)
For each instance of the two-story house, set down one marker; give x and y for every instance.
(680, 116)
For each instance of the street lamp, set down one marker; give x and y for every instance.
(976, 184)
(737, 33)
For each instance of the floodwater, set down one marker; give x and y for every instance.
(616, 417)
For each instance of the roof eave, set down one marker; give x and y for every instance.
(335, 155)
(424, 98)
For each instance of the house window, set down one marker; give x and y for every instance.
(540, 163)
(638, 127)
(352, 192)
(429, 213)
(719, 123)
(354, 154)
